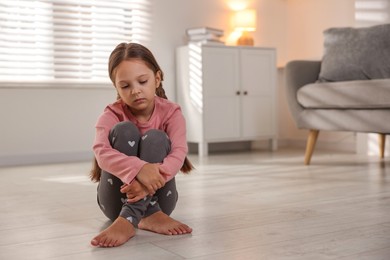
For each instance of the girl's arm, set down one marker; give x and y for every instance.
(175, 127)
(109, 159)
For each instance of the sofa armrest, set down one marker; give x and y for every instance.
(299, 73)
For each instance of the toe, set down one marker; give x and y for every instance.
(184, 229)
(94, 242)
(174, 231)
(102, 242)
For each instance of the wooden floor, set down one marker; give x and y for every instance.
(257, 205)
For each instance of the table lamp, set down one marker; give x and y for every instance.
(245, 22)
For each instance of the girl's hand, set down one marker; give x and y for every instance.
(134, 191)
(150, 177)
(163, 173)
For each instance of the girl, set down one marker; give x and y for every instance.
(139, 147)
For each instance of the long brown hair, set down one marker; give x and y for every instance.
(126, 51)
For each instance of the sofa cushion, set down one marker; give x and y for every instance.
(361, 94)
(356, 53)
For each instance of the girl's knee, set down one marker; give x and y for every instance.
(124, 127)
(155, 146)
(156, 137)
(124, 136)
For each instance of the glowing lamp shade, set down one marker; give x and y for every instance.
(245, 21)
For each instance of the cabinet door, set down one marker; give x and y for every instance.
(258, 73)
(221, 111)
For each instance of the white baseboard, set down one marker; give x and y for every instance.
(29, 159)
(368, 144)
(349, 146)
(346, 145)
(222, 147)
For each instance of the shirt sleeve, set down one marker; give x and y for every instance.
(175, 128)
(109, 159)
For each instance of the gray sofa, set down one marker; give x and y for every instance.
(348, 90)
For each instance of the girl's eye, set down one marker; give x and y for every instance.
(143, 82)
(124, 86)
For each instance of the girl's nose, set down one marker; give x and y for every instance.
(135, 91)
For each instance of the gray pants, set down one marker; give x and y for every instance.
(152, 147)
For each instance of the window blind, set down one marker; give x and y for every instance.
(371, 12)
(66, 40)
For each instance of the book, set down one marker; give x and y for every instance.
(207, 42)
(204, 30)
(200, 37)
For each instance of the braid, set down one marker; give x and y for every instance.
(160, 92)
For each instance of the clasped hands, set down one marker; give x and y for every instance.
(149, 179)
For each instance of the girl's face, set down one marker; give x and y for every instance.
(136, 84)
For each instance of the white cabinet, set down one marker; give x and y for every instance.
(227, 93)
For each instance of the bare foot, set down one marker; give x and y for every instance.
(118, 233)
(161, 223)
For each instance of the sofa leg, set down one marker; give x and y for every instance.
(311, 143)
(382, 142)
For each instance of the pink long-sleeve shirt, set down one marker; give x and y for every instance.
(166, 116)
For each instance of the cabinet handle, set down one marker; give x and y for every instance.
(245, 92)
(238, 93)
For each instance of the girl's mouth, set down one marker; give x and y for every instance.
(139, 100)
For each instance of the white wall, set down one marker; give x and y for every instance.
(50, 125)
(308, 19)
